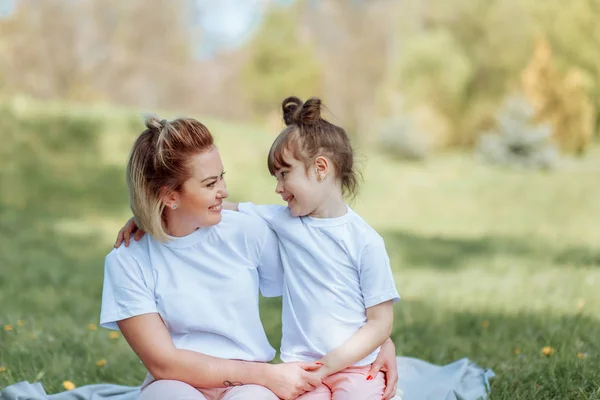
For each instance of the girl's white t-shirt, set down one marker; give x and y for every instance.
(204, 286)
(334, 269)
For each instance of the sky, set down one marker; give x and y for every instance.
(226, 23)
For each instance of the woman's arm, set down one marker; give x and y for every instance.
(164, 361)
(373, 334)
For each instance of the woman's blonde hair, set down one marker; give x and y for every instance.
(159, 164)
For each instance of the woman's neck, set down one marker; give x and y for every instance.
(178, 225)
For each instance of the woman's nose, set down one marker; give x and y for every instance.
(223, 193)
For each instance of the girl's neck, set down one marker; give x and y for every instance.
(333, 206)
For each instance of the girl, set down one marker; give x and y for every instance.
(338, 284)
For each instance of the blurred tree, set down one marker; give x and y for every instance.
(517, 140)
(352, 39)
(561, 101)
(460, 58)
(127, 52)
(574, 34)
(281, 62)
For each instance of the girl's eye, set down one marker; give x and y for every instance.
(283, 174)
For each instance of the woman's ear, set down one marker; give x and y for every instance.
(170, 198)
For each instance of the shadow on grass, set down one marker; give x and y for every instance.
(445, 252)
(52, 170)
(511, 345)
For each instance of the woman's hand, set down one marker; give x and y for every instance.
(386, 363)
(126, 232)
(290, 380)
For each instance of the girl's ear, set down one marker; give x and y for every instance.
(321, 165)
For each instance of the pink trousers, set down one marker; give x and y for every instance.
(349, 384)
(177, 390)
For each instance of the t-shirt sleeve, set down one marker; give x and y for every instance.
(125, 292)
(265, 212)
(376, 278)
(270, 269)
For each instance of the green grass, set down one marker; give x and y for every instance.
(492, 264)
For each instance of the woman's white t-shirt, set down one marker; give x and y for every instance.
(204, 286)
(334, 269)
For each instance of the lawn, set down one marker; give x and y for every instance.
(500, 266)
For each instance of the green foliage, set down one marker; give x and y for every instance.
(435, 69)
(517, 141)
(451, 56)
(280, 63)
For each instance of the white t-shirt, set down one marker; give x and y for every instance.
(204, 286)
(334, 268)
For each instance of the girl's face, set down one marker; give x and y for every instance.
(298, 187)
(199, 202)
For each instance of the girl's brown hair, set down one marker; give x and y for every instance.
(159, 164)
(307, 136)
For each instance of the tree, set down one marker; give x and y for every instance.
(280, 63)
(559, 100)
(459, 58)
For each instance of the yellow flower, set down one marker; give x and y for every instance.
(8, 328)
(113, 335)
(485, 324)
(92, 327)
(580, 355)
(547, 351)
(101, 363)
(20, 322)
(580, 304)
(517, 351)
(68, 385)
(2, 369)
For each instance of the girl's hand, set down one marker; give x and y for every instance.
(386, 363)
(291, 380)
(126, 231)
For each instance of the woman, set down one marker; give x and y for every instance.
(176, 293)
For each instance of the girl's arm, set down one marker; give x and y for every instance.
(164, 361)
(229, 205)
(373, 334)
(131, 228)
(126, 231)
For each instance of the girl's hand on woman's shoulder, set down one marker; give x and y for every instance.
(126, 231)
(291, 380)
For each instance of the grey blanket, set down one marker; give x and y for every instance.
(417, 380)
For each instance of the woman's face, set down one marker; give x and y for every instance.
(199, 203)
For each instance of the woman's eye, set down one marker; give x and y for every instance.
(211, 185)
